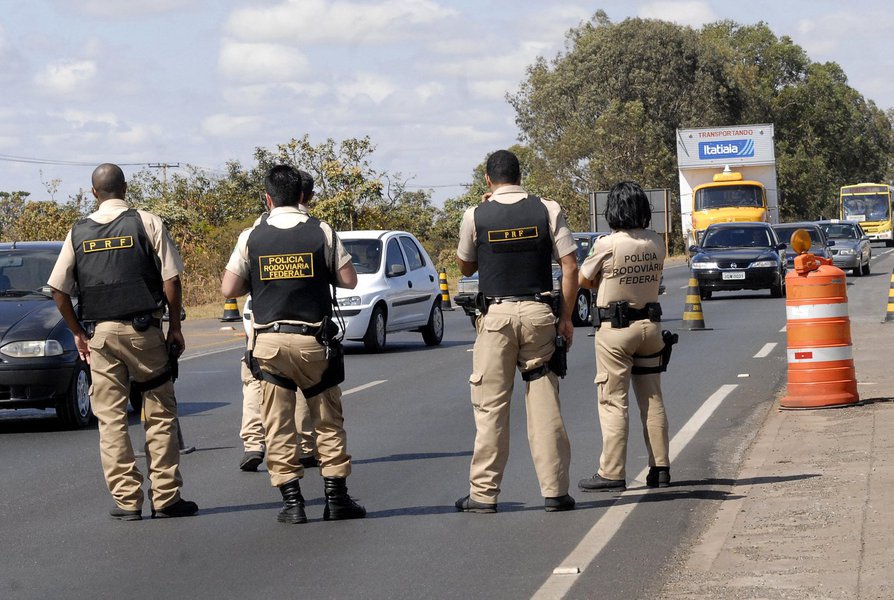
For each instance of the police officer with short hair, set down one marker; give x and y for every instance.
(511, 239)
(288, 262)
(252, 430)
(124, 266)
(625, 268)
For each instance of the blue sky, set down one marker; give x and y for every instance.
(206, 81)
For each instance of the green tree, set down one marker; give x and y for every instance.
(12, 204)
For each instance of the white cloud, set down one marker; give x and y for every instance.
(252, 62)
(339, 21)
(471, 134)
(66, 77)
(830, 33)
(262, 95)
(227, 126)
(374, 87)
(429, 90)
(117, 10)
(493, 90)
(693, 12)
(80, 118)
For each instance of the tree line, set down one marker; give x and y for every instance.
(606, 108)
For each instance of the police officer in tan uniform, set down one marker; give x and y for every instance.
(511, 239)
(288, 262)
(252, 430)
(124, 266)
(625, 269)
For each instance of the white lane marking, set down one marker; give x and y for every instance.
(765, 351)
(365, 386)
(743, 375)
(210, 352)
(783, 329)
(685, 287)
(557, 585)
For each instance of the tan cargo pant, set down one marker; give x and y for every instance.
(615, 349)
(302, 359)
(516, 335)
(252, 431)
(117, 353)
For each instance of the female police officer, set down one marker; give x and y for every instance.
(625, 269)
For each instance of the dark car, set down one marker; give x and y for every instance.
(819, 244)
(39, 363)
(852, 249)
(739, 256)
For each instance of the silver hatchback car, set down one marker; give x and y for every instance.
(852, 249)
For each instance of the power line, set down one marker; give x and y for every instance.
(61, 163)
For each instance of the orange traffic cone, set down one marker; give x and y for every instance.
(889, 316)
(693, 318)
(231, 311)
(821, 370)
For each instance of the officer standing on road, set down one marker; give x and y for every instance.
(124, 266)
(625, 269)
(288, 263)
(252, 430)
(511, 239)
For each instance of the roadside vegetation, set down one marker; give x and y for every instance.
(606, 108)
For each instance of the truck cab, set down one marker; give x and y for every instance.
(728, 198)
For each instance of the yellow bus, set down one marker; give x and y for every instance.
(870, 205)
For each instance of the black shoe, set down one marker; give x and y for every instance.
(339, 506)
(466, 504)
(658, 477)
(180, 508)
(558, 503)
(598, 483)
(126, 515)
(292, 504)
(251, 460)
(309, 462)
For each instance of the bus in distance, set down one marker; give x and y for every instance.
(870, 205)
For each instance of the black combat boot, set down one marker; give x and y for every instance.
(292, 504)
(658, 477)
(339, 505)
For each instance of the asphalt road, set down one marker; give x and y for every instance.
(410, 430)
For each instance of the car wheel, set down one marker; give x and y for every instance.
(374, 340)
(777, 290)
(705, 294)
(857, 271)
(433, 331)
(74, 409)
(865, 268)
(581, 314)
(136, 400)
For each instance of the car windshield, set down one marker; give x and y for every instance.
(365, 254)
(737, 237)
(583, 248)
(840, 231)
(748, 196)
(865, 207)
(785, 234)
(24, 272)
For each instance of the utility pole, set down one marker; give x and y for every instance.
(164, 172)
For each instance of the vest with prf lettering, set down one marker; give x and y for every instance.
(637, 260)
(117, 269)
(289, 275)
(514, 247)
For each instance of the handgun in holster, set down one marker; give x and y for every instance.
(480, 303)
(558, 362)
(619, 316)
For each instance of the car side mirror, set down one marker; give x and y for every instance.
(695, 249)
(780, 246)
(830, 242)
(396, 270)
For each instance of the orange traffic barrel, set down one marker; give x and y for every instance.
(821, 370)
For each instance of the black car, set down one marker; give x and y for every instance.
(39, 363)
(739, 256)
(819, 243)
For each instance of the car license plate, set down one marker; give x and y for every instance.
(734, 275)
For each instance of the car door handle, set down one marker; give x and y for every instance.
(409, 284)
(431, 278)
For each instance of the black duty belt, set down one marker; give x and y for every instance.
(289, 328)
(153, 322)
(528, 298)
(633, 314)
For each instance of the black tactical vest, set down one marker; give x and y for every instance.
(289, 275)
(514, 248)
(117, 270)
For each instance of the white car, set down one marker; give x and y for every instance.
(397, 289)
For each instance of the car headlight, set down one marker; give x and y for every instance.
(32, 348)
(704, 265)
(847, 251)
(765, 264)
(350, 301)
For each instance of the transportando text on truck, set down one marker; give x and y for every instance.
(727, 174)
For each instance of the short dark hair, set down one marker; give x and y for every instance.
(502, 167)
(307, 184)
(283, 185)
(627, 207)
(108, 181)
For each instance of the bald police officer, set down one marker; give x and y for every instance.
(124, 266)
(287, 262)
(625, 269)
(511, 239)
